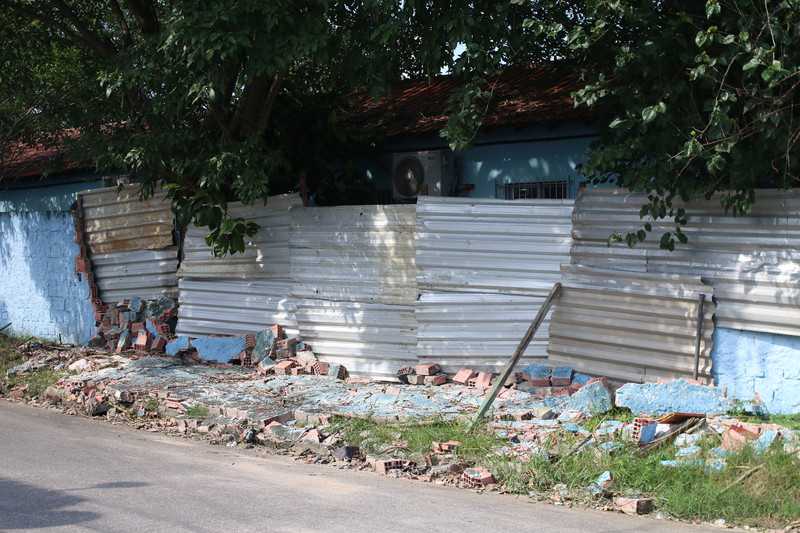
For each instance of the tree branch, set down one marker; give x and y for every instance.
(120, 16)
(97, 42)
(145, 13)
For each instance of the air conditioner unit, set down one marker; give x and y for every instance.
(427, 172)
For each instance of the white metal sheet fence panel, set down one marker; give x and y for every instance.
(118, 220)
(484, 268)
(147, 274)
(266, 255)
(367, 338)
(353, 273)
(500, 246)
(476, 330)
(630, 326)
(233, 307)
(753, 262)
(355, 253)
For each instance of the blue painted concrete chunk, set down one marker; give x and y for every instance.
(535, 371)
(264, 341)
(581, 379)
(177, 345)
(765, 440)
(592, 399)
(562, 372)
(677, 396)
(761, 367)
(218, 349)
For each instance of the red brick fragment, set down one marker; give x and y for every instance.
(427, 369)
(439, 379)
(464, 375)
(482, 381)
(383, 466)
(633, 506)
(478, 477)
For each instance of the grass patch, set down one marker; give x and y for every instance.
(416, 439)
(789, 421)
(151, 405)
(770, 497)
(10, 356)
(37, 381)
(197, 411)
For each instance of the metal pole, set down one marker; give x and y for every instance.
(699, 334)
(523, 345)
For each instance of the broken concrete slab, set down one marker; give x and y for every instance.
(593, 398)
(677, 396)
(218, 349)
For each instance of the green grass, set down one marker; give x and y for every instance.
(789, 421)
(37, 381)
(151, 405)
(417, 439)
(197, 411)
(768, 498)
(9, 356)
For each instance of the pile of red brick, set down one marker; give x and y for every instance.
(424, 374)
(142, 325)
(290, 356)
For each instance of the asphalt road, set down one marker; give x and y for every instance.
(73, 474)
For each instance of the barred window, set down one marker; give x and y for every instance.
(551, 190)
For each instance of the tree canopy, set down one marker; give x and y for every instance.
(222, 100)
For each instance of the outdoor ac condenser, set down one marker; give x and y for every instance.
(427, 172)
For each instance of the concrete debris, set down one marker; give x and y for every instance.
(633, 506)
(677, 396)
(290, 400)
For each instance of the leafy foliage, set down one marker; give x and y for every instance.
(225, 101)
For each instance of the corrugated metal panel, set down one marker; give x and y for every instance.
(355, 253)
(501, 246)
(475, 330)
(353, 269)
(144, 273)
(266, 255)
(484, 268)
(233, 307)
(117, 220)
(367, 338)
(752, 262)
(630, 326)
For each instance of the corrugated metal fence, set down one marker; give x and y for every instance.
(354, 275)
(131, 243)
(240, 293)
(752, 262)
(483, 268)
(630, 326)
(266, 254)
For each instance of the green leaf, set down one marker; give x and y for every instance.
(712, 8)
(650, 113)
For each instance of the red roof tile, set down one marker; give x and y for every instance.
(520, 96)
(30, 160)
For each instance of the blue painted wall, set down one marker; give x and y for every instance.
(502, 155)
(40, 292)
(751, 364)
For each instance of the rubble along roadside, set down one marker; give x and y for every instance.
(720, 468)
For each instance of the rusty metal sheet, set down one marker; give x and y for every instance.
(118, 220)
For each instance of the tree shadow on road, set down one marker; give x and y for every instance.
(25, 506)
